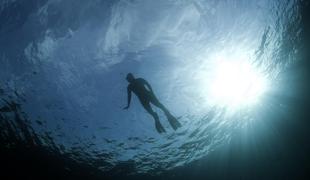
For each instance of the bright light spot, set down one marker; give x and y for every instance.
(236, 84)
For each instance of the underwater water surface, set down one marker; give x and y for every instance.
(215, 64)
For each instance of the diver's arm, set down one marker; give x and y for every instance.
(128, 97)
(148, 85)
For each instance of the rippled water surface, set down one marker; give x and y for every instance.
(64, 62)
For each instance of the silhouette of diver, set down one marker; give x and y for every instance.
(147, 96)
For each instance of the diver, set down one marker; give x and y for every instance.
(147, 96)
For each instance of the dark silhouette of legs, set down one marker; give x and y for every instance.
(159, 127)
(175, 124)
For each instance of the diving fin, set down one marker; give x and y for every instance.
(159, 127)
(175, 124)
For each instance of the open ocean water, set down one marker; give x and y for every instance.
(63, 65)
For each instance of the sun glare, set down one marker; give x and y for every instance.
(236, 84)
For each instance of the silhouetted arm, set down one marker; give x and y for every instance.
(128, 97)
(148, 85)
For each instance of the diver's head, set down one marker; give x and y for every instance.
(130, 77)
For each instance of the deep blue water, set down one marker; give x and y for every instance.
(63, 87)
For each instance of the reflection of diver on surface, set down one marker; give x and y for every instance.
(147, 96)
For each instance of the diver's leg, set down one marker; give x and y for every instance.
(172, 120)
(159, 127)
(156, 102)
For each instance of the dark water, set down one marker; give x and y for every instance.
(62, 88)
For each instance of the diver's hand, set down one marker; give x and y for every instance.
(125, 108)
